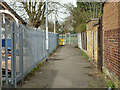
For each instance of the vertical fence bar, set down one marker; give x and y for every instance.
(14, 54)
(6, 58)
(0, 56)
(21, 52)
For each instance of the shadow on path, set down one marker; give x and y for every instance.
(67, 68)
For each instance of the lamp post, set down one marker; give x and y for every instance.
(47, 42)
(55, 21)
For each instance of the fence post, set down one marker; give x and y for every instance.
(14, 53)
(21, 52)
(6, 58)
(43, 37)
(65, 39)
(57, 39)
(0, 56)
(69, 38)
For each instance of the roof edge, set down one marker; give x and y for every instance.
(95, 24)
(93, 19)
(13, 12)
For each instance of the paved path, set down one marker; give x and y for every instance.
(67, 68)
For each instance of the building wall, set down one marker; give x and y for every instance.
(111, 40)
(95, 28)
(90, 36)
(89, 44)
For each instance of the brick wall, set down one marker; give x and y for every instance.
(111, 40)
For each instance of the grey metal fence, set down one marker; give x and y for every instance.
(24, 49)
(69, 38)
(53, 41)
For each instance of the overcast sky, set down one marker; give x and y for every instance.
(61, 15)
(69, 1)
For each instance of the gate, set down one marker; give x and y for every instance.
(11, 54)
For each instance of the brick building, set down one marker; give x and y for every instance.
(111, 41)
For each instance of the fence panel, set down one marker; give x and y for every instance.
(53, 42)
(34, 47)
(69, 38)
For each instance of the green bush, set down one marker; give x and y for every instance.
(110, 84)
(81, 28)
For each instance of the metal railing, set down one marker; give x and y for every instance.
(69, 38)
(25, 50)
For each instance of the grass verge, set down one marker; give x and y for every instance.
(84, 54)
(32, 73)
(54, 51)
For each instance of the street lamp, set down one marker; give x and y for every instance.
(55, 21)
(47, 42)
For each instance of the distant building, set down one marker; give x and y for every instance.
(9, 14)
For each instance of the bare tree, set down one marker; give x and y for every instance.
(33, 11)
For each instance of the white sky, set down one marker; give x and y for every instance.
(69, 1)
(61, 15)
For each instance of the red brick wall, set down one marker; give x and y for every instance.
(111, 37)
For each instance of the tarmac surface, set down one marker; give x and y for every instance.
(66, 68)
